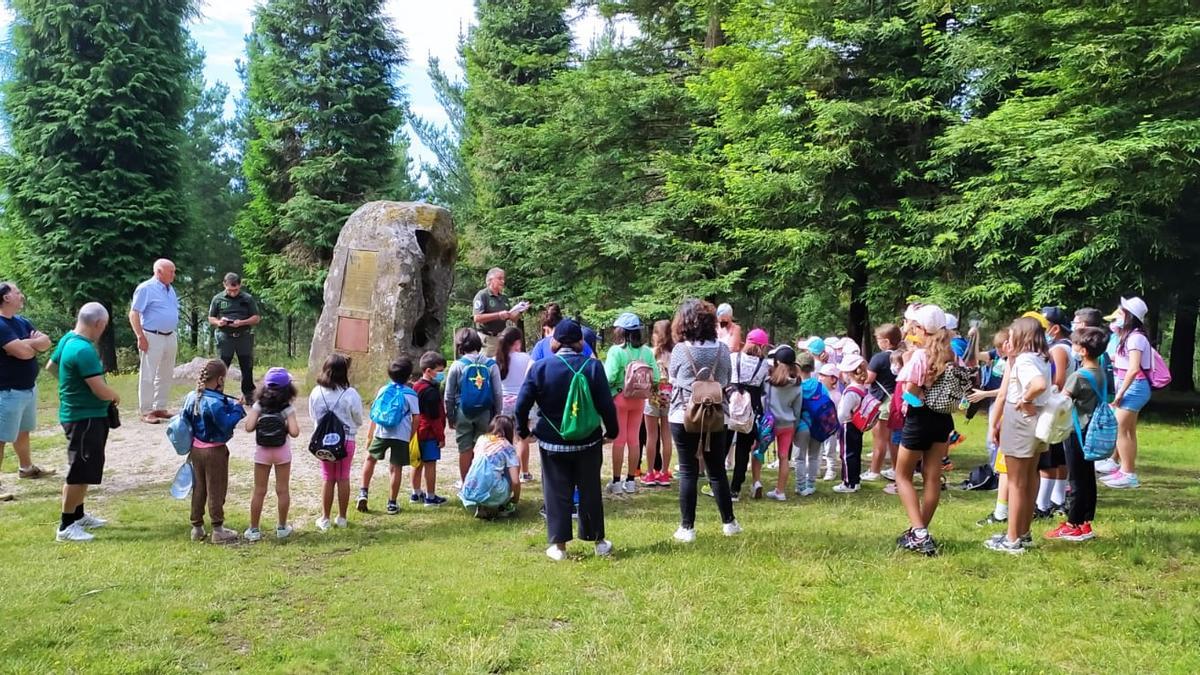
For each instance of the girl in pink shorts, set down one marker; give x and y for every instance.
(334, 393)
(273, 421)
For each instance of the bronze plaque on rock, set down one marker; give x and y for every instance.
(353, 335)
(358, 280)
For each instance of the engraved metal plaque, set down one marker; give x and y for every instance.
(358, 280)
(353, 335)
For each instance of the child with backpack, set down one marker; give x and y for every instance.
(212, 417)
(658, 428)
(855, 410)
(1095, 433)
(431, 425)
(816, 424)
(337, 410)
(474, 395)
(749, 375)
(632, 378)
(784, 401)
(831, 448)
(273, 421)
(493, 484)
(393, 419)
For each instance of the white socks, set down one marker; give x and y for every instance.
(1058, 495)
(1044, 490)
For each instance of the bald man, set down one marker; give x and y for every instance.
(154, 316)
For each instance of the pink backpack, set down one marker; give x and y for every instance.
(639, 378)
(866, 414)
(1159, 374)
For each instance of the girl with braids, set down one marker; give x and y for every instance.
(212, 416)
(925, 438)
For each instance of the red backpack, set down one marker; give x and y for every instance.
(866, 415)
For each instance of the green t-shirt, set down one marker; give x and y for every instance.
(241, 307)
(486, 303)
(77, 361)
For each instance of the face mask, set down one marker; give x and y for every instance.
(440, 377)
(1118, 324)
(915, 339)
(895, 369)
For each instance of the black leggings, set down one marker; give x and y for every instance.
(689, 469)
(743, 443)
(1081, 475)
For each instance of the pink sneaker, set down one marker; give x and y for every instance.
(890, 488)
(1114, 476)
(650, 478)
(664, 478)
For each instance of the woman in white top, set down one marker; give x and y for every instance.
(333, 392)
(514, 364)
(1025, 386)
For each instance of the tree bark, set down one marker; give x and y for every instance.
(1183, 342)
(108, 342)
(857, 322)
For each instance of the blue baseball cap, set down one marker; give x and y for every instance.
(628, 321)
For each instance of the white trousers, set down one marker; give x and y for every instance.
(155, 371)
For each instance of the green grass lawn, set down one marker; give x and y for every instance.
(812, 585)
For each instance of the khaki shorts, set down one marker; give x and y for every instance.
(1017, 435)
(490, 343)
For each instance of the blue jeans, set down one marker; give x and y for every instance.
(18, 413)
(1136, 396)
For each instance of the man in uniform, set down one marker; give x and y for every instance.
(234, 313)
(492, 311)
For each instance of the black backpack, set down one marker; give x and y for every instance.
(328, 442)
(982, 477)
(271, 430)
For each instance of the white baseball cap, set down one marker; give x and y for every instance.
(850, 347)
(1135, 306)
(850, 363)
(829, 370)
(930, 317)
(724, 309)
(951, 322)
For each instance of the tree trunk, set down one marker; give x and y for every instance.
(108, 343)
(715, 35)
(194, 321)
(1183, 342)
(291, 349)
(857, 322)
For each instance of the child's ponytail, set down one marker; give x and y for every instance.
(211, 371)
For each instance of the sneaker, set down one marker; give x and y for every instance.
(253, 534)
(1082, 533)
(361, 502)
(630, 487)
(416, 498)
(1107, 466)
(991, 520)
(888, 474)
(1124, 481)
(6, 496)
(1064, 531)
(616, 488)
(842, 488)
(890, 489)
(1003, 545)
(773, 465)
(604, 547)
(341, 522)
(323, 524)
(665, 478)
(198, 533)
(392, 507)
(735, 496)
(434, 501)
(869, 476)
(777, 496)
(35, 471)
(73, 532)
(90, 522)
(923, 545)
(283, 532)
(223, 535)
(556, 554)
(685, 534)
(809, 489)
(706, 490)
(526, 477)
(1058, 509)
(756, 492)
(1025, 539)
(731, 529)
(829, 475)
(1040, 514)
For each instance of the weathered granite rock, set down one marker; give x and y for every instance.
(387, 291)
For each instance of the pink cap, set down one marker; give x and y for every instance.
(759, 337)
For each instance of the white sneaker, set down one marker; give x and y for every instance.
(90, 522)
(869, 476)
(630, 487)
(604, 547)
(777, 496)
(1107, 466)
(888, 474)
(773, 465)
(685, 535)
(731, 529)
(556, 554)
(253, 534)
(844, 489)
(809, 489)
(73, 532)
(829, 475)
(323, 524)
(616, 488)
(757, 490)
(283, 532)
(340, 522)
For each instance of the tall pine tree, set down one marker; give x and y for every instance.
(94, 107)
(324, 109)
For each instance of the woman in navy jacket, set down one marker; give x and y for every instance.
(568, 465)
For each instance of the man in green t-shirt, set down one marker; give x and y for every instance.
(492, 311)
(84, 399)
(234, 313)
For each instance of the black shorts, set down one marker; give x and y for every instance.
(923, 428)
(85, 450)
(1053, 458)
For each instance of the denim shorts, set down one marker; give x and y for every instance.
(18, 413)
(1136, 396)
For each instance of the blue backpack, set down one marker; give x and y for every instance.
(179, 432)
(475, 386)
(390, 407)
(1102, 429)
(822, 414)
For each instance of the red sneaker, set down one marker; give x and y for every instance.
(665, 478)
(650, 479)
(1066, 532)
(1082, 533)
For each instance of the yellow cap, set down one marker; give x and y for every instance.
(1040, 319)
